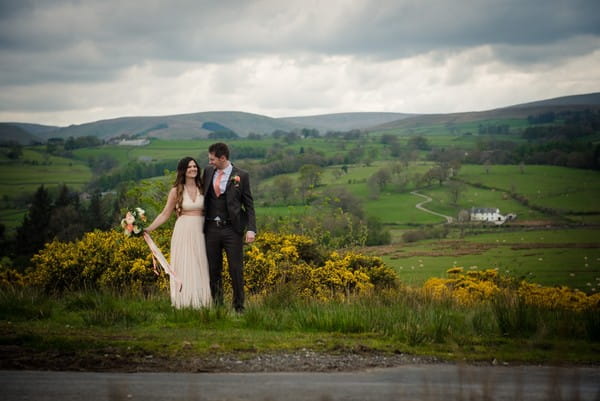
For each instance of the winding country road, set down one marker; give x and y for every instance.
(427, 200)
(428, 382)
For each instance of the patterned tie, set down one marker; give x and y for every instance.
(218, 182)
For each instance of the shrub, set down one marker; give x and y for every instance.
(486, 285)
(108, 260)
(98, 260)
(297, 262)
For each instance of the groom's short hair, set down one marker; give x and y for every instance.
(219, 149)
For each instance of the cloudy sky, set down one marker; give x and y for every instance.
(70, 62)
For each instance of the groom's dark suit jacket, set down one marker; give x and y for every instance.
(240, 204)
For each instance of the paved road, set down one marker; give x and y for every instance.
(427, 200)
(411, 382)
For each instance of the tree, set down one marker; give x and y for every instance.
(15, 150)
(372, 155)
(65, 196)
(389, 139)
(96, 217)
(66, 223)
(377, 233)
(381, 178)
(283, 187)
(310, 175)
(33, 233)
(400, 182)
(440, 173)
(455, 189)
(346, 201)
(418, 142)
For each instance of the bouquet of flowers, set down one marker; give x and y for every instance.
(134, 221)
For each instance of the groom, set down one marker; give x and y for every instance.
(229, 211)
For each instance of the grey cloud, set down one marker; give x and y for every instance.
(94, 41)
(208, 30)
(407, 29)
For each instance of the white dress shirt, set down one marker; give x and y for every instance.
(224, 179)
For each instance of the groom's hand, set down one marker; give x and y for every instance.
(250, 235)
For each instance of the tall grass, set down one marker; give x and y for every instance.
(392, 320)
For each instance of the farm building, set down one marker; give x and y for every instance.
(134, 142)
(490, 214)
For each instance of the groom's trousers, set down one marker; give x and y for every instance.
(221, 238)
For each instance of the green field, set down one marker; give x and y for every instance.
(175, 150)
(549, 257)
(459, 128)
(36, 169)
(559, 260)
(549, 186)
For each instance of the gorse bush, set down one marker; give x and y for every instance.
(108, 260)
(99, 260)
(478, 286)
(296, 284)
(298, 263)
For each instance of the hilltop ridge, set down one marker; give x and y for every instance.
(197, 125)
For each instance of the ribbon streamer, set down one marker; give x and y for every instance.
(162, 261)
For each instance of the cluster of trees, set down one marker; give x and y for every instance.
(13, 150)
(581, 118)
(568, 153)
(62, 147)
(65, 218)
(335, 218)
(493, 129)
(82, 142)
(132, 171)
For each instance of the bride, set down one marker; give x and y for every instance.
(188, 249)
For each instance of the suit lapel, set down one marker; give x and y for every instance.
(210, 178)
(230, 179)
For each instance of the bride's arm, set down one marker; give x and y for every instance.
(167, 211)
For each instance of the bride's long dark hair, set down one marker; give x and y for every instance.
(179, 183)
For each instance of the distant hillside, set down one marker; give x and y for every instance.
(199, 125)
(10, 132)
(575, 100)
(346, 121)
(183, 126)
(516, 111)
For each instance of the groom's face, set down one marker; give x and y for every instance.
(217, 162)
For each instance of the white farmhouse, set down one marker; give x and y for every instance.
(490, 214)
(134, 142)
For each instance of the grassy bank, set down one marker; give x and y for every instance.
(90, 324)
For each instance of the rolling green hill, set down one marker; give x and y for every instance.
(14, 133)
(193, 126)
(515, 112)
(184, 126)
(346, 121)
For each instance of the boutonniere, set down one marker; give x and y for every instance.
(236, 180)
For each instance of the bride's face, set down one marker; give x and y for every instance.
(192, 170)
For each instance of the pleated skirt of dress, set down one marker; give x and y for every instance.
(188, 261)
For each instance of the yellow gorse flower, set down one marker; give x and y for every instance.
(477, 286)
